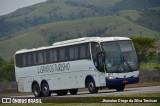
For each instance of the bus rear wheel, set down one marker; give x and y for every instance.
(91, 86)
(73, 91)
(36, 90)
(45, 89)
(120, 88)
(62, 92)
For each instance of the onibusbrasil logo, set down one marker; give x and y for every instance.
(21, 100)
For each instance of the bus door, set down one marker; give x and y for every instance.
(101, 68)
(97, 57)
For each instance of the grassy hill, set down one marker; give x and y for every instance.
(55, 20)
(149, 18)
(50, 11)
(47, 34)
(60, 10)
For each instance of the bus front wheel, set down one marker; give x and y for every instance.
(45, 90)
(91, 86)
(36, 90)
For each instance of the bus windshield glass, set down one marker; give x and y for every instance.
(120, 56)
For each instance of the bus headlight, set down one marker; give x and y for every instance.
(110, 76)
(136, 75)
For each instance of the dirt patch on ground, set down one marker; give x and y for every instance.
(12, 92)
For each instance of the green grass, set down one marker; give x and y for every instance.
(97, 104)
(150, 65)
(86, 104)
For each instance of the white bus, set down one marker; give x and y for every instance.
(90, 62)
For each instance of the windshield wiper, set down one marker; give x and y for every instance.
(125, 61)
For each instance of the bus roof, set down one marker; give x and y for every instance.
(74, 41)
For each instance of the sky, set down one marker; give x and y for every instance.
(8, 6)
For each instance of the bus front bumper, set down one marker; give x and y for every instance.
(121, 81)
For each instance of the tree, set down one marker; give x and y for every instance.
(7, 71)
(144, 46)
(2, 62)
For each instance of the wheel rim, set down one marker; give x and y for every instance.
(36, 90)
(45, 88)
(91, 86)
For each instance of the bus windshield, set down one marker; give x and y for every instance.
(120, 56)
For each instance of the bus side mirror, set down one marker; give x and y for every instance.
(101, 57)
(100, 61)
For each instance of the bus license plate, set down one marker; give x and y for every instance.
(125, 81)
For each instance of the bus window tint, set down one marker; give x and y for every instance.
(87, 51)
(82, 51)
(24, 60)
(62, 54)
(29, 59)
(40, 57)
(76, 52)
(34, 58)
(19, 60)
(45, 56)
(53, 55)
(71, 52)
(68, 53)
(95, 49)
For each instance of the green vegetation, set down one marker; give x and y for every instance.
(52, 100)
(150, 65)
(58, 10)
(49, 33)
(86, 104)
(56, 20)
(7, 70)
(146, 52)
(144, 46)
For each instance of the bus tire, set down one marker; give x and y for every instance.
(120, 88)
(36, 90)
(45, 90)
(62, 92)
(92, 86)
(73, 91)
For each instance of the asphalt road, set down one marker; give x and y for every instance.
(126, 91)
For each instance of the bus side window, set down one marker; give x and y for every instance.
(53, 55)
(24, 60)
(76, 52)
(61, 54)
(34, 58)
(71, 52)
(67, 56)
(40, 57)
(88, 51)
(45, 56)
(82, 51)
(18, 58)
(29, 59)
(95, 48)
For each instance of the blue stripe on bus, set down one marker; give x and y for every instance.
(120, 81)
